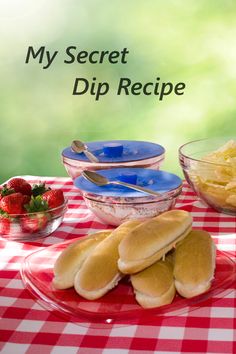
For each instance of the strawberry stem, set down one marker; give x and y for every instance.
(36, 204)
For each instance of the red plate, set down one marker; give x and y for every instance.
(119, 305)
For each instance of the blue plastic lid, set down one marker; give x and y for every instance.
(159, 181)
(117, 151)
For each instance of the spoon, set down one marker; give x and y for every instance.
(78, 146)
(100, 180)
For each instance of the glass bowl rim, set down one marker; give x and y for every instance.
(180, 150)
(68, 161)
(135, 200)
(63, 206)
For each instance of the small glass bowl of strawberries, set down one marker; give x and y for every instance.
(29, 212)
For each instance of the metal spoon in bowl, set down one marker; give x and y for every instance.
(78, 146)
(100, 180)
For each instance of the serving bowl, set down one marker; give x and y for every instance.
(114, 204)
(209, 166)
(31, 226)
(114, 154)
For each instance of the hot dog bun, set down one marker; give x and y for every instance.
(148, 242)
(99, 273)
(194, 264)
(72, 258)
(154, 286)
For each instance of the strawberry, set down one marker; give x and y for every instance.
(5, 225)
(5, 191)
(54, 198)
(12, 203)
(26, 199)
(36, 219)
(20, 185)
(33, 223)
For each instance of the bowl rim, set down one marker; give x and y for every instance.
(138, 201)
(180, 151)
(63, 206)
(78, 163)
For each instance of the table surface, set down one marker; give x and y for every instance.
(26, 326)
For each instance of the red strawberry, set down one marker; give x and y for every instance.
(20, 185)
(5, 225)
(54, 198)
(4, 190)
(12, 203)
(34, 223)
(26, 199)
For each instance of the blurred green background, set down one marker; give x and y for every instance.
(188, 41)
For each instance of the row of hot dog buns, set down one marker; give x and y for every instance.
(160, 255)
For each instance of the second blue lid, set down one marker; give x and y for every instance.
(159, 181)
(117, 151)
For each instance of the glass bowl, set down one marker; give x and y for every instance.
(114, 204)
(31, 226)
(209, 166)
(114, 154)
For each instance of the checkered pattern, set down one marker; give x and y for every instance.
(27, 327)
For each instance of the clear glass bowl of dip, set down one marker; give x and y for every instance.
(114, 154)
(115, 204)
(209, 166)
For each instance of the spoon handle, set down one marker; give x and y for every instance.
(90, 156)
(137, 188)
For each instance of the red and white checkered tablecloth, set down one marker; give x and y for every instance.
(26, 327)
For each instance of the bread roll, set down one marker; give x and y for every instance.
(99, 273)
(154, 286)
(72, 257)
(148, 242)
(194, 264)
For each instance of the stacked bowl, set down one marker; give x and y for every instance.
(135, 162)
